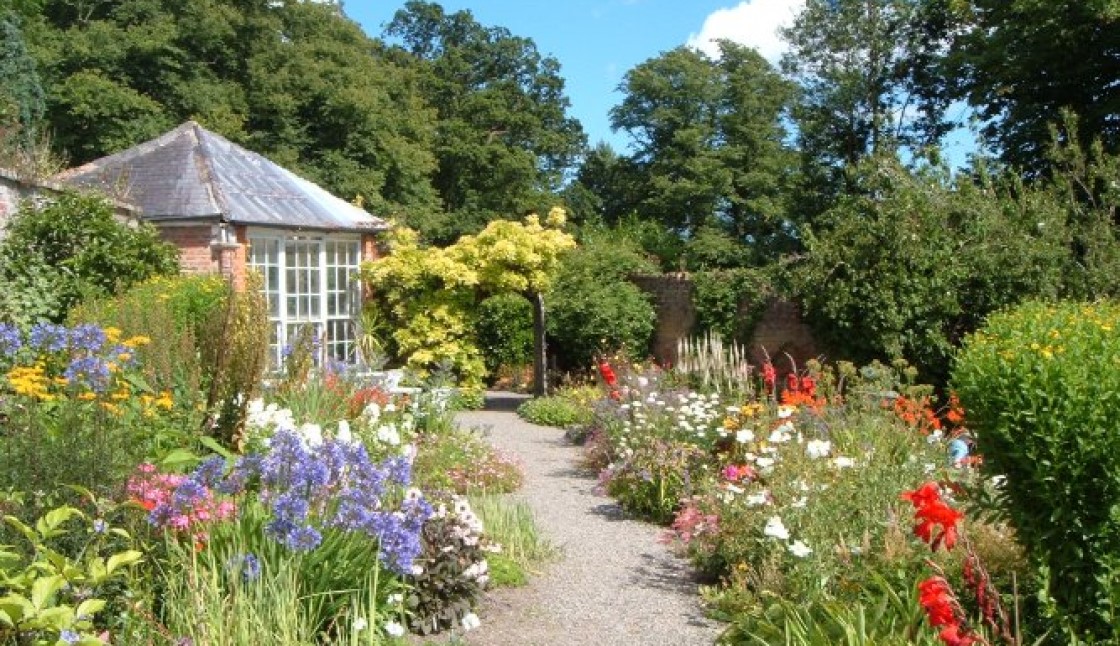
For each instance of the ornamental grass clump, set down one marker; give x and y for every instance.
(1039, 383)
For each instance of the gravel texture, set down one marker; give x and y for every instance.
(613, 582)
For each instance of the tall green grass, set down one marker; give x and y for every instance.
(512, 524)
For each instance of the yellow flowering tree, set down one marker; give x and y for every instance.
(432, 293)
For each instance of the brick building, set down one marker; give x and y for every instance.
(229, 210)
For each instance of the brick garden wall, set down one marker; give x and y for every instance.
(780, 330)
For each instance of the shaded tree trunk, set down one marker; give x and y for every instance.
(540, 360)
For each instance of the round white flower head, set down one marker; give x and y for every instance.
(785, 411)
(393, 629)
(818, 449)
(760, 498)
(360, 624)
(744, 436)
(799, 549)
(312, 435)
(470, 621)
(344, 434)
(842, 462)
(775, 528)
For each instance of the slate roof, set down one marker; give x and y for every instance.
(191, 173)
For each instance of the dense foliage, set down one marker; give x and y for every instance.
(594, 309)
(59, 252)
(1039, 384)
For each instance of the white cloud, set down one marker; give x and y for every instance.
(754, 24)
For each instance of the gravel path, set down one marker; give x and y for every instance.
(613, 584)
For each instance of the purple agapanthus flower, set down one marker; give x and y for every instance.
(91, 372)
(10, 340)
(48, 337)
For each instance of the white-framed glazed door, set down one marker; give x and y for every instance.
(310, 281)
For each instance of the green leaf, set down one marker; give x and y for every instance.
(57, 618)
(122, 559)
(179, 458)
(48, 525)
(214, 446)
(27, 532)
(89, 608)
(45, 588)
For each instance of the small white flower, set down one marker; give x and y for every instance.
(643, 382)
(417, 570)
(389, 435)
(998, 481)
(799, 549)
(933, 437)
(344, 434)
(360, 624)
(733, 488)
(470, 621)
(786, 411)
(775, 528)
(312, 435)
(396, 598)
(929, 467)
(744, 436)
(818, 448)
(800, 502)
(764, 463)
(757, 499)
(842, 462)
(393, 629)
(778, 437)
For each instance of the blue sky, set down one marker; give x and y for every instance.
(598, 41)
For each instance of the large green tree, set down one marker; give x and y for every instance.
(870, 85)
(295, 81)
(1020, 63)
(709, 144)
(21, 94)
(504, 138)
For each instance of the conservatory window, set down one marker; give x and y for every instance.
(310, 282)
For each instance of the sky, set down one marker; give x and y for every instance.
(598, 41)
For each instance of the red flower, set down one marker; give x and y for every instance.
(936, 598)
(792, 382)
(809, 385)
(608, 374)
(769, 375)
(937, 524)
(952, 635)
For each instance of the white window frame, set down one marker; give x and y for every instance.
(346, 300)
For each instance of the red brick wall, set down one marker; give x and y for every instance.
(780, 330)
(195, 253)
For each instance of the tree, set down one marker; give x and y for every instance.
(1021, 62)
(295, 81)
(431, 293)
(869, 87)
(21, 94)
(504, 140)
(709, 141)
(913, 261)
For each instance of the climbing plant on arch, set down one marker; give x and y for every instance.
(431, 294)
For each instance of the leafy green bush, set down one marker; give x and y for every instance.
(1039, 384)
(593, 309)
(556, 411)
(505, 331)
(729, 302)
(75, 247)
(910, 265)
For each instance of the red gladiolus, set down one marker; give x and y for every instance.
(937, 524)
(769, 375)
(809, 386)
(935, 597)
(608, 374)
(792, 382)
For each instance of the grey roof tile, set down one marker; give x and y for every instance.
(192, 173)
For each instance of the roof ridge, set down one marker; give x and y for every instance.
(206, 168)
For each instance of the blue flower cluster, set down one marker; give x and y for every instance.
(332, 486)
(10, 340)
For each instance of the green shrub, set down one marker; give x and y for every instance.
(505, 331)
(75, 247)
(730, 302)
(593, 309)
(556, 411)
(1040, 385)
